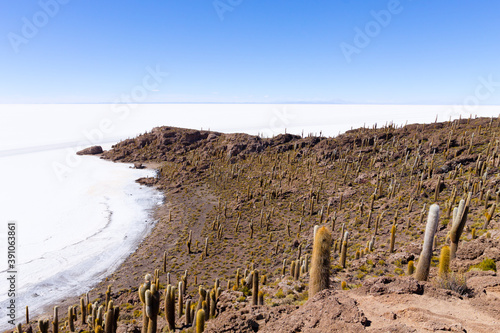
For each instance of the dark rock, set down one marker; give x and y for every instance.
(94, 150)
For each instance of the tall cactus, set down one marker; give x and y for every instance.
(444, 261)
(200, 321)
(489, 215)
(459, 220)
(255, 287)
(43, 325)
(83, 309)
(152, 298)
(393, 238)
(110, 316)
(71, 319)
(320, 262)
(189, 320)
(170, 307)
(343, 251)
(55, 322)
(180, 303)
(424, 261)
(142, 296)
(213, 303)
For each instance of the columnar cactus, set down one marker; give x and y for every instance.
(152, 298)
(83, 309)
(255, 287)
(200, 321)
(55, 322)
(71, 319)
(411, 268)
(170, 307)
(320, 262)
(424, 261)
(343, 253)
(444, 261)
(99, 317)
(489, 215)
(213, 304)
(110, 316)
(459, 220)
(436, 190)
(164, 261)
(180, 301)
(393, 238)
(188, 242)
(189, 319)
(142, 296)
(237, 278)
(43, 325)
(108, 296)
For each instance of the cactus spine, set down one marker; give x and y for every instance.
(320, 262)
(424, 261)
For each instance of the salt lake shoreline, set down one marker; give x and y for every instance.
(98, 285)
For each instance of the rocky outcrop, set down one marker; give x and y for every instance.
(94, 150)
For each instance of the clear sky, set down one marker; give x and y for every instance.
(274, 51)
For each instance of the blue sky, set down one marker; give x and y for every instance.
(231, 51)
